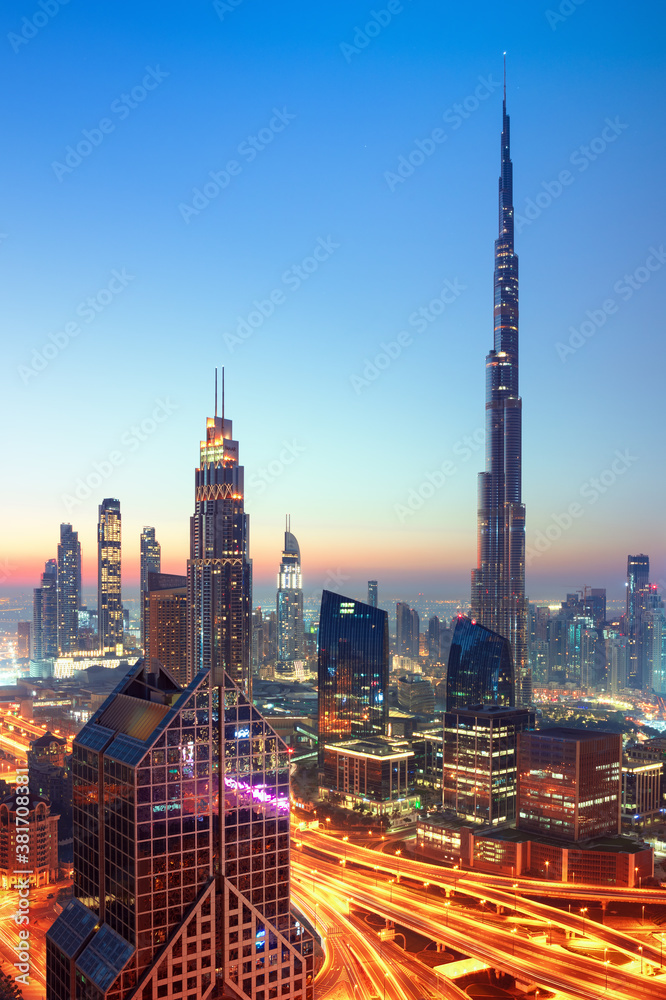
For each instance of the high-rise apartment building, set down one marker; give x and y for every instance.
(498, 582)
(150, 562)
(69, 588)
(480, 762)
(569, 783)
(165, 603)
(480, 670)
(219, 572)
(109, 595)
(352, 670)
(290, 600)
(407, 629)
(373, 593)
(45, 614)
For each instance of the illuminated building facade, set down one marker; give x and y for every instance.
(150, 562)
(41, 829)
(219, 572)
(165, 617)
(638, 585)
(641, 794)
(416, 694)
(373, 593)
(498, 582)
(352, 670)
(480, 669)
(375, 774)
(569, 783)
(69, 589)
(109, 595)
(23, 637)
(480, 760)
(289, 602)
(181, 879)
(45, 614)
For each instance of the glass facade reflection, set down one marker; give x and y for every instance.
(109, 597)
(352, 670)
(480, 669)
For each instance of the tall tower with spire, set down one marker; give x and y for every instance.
(498, 582)
(290, 636)
(219, 571)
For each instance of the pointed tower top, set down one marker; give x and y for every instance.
(216, 392)
(505, 81)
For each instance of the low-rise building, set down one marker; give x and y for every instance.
(375, 774)
(641, 794)
(39, 834)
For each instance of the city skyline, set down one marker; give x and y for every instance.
(400, 241)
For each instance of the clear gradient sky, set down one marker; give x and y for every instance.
(338, 110)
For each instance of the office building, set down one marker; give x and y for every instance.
(352, 670)
(219, 573)
(45, 614)
(407, 631)
(638, 585)
(69, 589)
(376, 775)
(373, 593)
(641, 794)
(289, 602)
(569, 783)
(109, 595)
(150, 562)
(480, 761)
(498, 582)
(416, 695)
(165, 617)
(480, 669)
(23, 637)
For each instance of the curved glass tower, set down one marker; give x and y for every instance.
(479, 671)
(498, 583)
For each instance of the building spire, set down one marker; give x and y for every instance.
(216, 392)
(505, 81)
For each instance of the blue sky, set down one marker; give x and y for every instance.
(340, 454)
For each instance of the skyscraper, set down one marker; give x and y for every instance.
(372, 593)
(150, 563)
(352, 670)
(407, 628)
(109, 596)
(69, 589)
(165, 615)
(498, 583)
(45, 614)
(479, 670)
(290, 599)
(219, 572)
(638, 589)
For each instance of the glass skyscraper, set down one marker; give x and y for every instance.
(69, 589)
(480, 670)
(151, 557)
(181, 805)
(352, 670)
(219, 572)
(290, 637)
(109, 596)
(498, 582)
(372, 593)
(638, 589)
(45, 614)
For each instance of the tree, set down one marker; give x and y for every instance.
(8, 988)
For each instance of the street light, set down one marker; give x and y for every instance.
(515, 896)
(397, 854)
(514, 931)
(640, 948)
(583, 910)
(425, 886)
